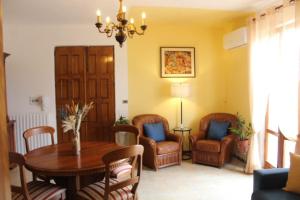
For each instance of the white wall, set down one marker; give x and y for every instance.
(30, 68)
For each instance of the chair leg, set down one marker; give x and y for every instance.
(34, 177)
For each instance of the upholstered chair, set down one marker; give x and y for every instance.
(158, 154)
(213, 151)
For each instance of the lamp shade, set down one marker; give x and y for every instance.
(180, 90)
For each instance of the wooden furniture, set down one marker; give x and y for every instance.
(37, 131)
(9, 123)
(158, 154)
(34, 132)
(4, 164)
(11, 135)
(114, 189)
(85, 74)
(34, 190)
(125, 168)
(186, 154)
(128, 129)
(66, 169)
(213, 152)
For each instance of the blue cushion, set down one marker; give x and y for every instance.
(155, 131)
(217, 130)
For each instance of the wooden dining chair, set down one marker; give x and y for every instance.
(38, 190)
(124, 168)
(48, 130)
(111, 188)
(132, 130)
(32, 132)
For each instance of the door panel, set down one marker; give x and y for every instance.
(69, 83)
(101, 90)
(85, 74)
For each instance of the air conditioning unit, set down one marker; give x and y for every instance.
(236, 38)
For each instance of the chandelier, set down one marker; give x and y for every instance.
(122, 28)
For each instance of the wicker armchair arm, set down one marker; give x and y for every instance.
(228, 140)
(193, 138)
(174, 137)
(148, 143)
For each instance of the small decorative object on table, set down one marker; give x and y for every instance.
(244, 131)
(72, 118)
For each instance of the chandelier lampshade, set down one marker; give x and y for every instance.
(122, 28)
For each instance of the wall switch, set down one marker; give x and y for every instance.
(125, 101)
(34, 100)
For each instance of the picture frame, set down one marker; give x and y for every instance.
(177, 62)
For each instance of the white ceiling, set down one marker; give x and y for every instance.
(83, 11)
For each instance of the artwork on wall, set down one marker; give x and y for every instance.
(177, 62)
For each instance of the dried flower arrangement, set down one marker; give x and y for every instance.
(73, 116)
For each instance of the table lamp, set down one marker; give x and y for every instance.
(180, 90)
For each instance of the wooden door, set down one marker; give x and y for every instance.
(69, 82)
(100, 88)
(4, 163)
(85, 74)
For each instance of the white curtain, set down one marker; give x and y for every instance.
(274, 76)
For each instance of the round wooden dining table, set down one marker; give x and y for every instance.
(70, 171)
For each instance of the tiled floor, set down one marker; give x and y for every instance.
(196, 182)
(190, 182)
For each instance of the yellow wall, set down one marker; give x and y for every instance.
(210, 89)
(236, 62)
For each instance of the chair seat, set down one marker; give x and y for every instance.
(96, 190)
(121, 170)
(39, 190)
(213, 146)
(166, 147)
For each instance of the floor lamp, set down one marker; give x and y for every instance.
(180, 90)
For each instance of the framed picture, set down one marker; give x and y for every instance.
(177, 62)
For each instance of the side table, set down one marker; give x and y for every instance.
(186, 154)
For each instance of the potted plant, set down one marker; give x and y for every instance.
(122, 120)
(243, 130)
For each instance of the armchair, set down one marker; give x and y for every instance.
(208, 151)
(158, 154)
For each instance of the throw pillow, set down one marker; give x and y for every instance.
(217, 130)
(155, 131)
(293, 182)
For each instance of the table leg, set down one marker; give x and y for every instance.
(71, 183)
(186, 154)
